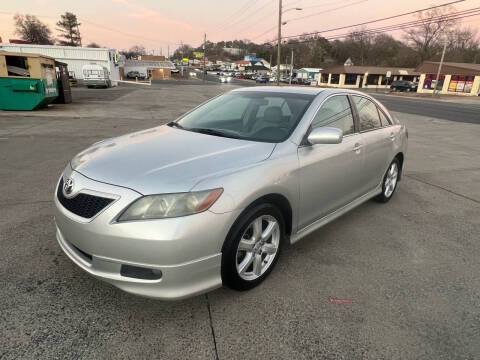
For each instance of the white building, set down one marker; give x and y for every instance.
(74, 57)
(145, 67)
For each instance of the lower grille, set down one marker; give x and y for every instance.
(83, 205)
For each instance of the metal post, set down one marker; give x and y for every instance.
(440, 66)
(291, 68)
(204, 51)
(279, 40)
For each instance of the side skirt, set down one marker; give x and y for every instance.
(332, 216)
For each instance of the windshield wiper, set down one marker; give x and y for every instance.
(175, 124)
(214, 132)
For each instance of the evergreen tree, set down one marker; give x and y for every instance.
(69, 30)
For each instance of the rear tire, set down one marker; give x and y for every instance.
(252, 247)
(389, 183)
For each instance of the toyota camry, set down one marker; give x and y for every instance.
(212, 197)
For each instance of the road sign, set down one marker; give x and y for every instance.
(389, 74)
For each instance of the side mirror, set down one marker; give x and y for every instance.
(325, 135)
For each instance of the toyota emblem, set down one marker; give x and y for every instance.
(68, 186)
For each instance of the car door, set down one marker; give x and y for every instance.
(376, 143)
(328, 172)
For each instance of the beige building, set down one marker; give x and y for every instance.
(454, 79)
(351, 76)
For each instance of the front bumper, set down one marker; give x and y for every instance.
(186, 251)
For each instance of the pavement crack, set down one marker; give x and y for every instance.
(211, 327)
(442, 188)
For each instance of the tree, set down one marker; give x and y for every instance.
(184, 51)
(93, 45)
(30, 29)
(134, 52)
(427, 38)
(69, 30)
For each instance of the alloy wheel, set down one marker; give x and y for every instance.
(258, 247)
(390, 180)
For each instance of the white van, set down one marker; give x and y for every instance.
(96, 75)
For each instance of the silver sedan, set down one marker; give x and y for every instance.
(212, 197)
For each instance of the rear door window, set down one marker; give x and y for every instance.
(368, 116)
(383, 118)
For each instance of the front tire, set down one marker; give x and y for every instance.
(252, 247)
(390, 180)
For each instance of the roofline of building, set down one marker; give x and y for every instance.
(54, 46)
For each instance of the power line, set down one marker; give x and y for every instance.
(323, 12)
(377, 20)
(400, 26)
(329, 10)
(226, 23)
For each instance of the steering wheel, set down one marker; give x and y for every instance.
(272, 132)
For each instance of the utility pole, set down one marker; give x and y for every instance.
(440, 66)
(279, 40)
(168, 52)
(204, 51)
(271, 61)
(291, 69)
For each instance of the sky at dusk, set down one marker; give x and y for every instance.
(158, 24)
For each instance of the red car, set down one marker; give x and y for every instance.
(240, 76)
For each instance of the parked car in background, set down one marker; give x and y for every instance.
(136, 75)
(404, 85)
(304, 81)
(261, 79)
(212, 197)
(239, 76)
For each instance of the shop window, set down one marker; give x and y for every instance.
(324, 78)
(372, 79)
(335, 79)
(350, 79)
(461, 83)
(431, 79)
(17, 66)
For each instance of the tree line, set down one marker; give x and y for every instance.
(362, 46)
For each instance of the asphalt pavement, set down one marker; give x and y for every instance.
(409, 268)
(461, 111)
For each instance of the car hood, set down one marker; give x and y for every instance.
(165, 159)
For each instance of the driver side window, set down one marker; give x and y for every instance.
(335, 112)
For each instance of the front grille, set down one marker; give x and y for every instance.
(84, 205)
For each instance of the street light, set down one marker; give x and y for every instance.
(280, 23)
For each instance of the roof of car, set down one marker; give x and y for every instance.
(284, 89)
(301, 90)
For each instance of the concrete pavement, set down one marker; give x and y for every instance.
(410, 266)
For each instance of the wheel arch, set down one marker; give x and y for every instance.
(276, 199)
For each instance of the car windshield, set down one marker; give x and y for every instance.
(249, 115)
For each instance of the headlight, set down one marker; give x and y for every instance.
(170, 205)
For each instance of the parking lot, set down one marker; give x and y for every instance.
(411, 267)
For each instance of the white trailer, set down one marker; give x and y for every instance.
(75, 57)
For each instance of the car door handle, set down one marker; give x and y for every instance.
(392, 136)
(357, 147)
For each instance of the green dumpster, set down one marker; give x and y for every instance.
(27, 81)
